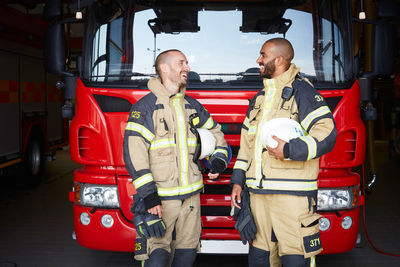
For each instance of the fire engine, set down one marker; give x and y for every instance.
(222, 40)
(29, 99)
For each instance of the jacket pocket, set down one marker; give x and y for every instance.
(163, 143)
(161, 127)
(284, 164)
(163, 171)
(309, 230)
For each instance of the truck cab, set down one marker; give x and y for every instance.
(221, 40)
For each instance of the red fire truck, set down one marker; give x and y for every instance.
(221, 40)
(29, 99)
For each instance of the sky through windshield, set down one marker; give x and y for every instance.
(219, 46)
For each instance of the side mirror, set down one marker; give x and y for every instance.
(54, 50)
(384, 38)
(383, 48)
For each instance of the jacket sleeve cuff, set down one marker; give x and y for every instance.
(151, 200)
(286, 151)
(238, 177)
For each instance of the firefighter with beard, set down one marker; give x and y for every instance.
(280, 221)
(160, 144)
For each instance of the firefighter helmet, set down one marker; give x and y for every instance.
(283, 128)
(207, 141)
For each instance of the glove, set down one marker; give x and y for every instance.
(154, 225)
(146, 224)
(140, 226)
(244, 219)
(217, 165)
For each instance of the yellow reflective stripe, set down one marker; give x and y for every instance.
(246, 122)
(321, 111)
(192, 142)
(220, 150)
(252, 130)
(312, 261)
(133, 126)
(270, 90)
(174, 191)
(142, 180)
(311, 145)
(209, 124)
(162, 143)
(240, 165)
(284, 185)
(182, 139)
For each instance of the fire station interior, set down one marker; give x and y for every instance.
(36, 225)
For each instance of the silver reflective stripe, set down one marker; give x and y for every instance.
(142, 180)
(240, 165)
(220, 150)
(175, 191)
(209, 124)
(311, 145)
(192, 142)
(133, 126)
(270, 90)
(162, 143)
(284, 185)
(319, 112)
(182, 138)
(312, 261)
(246, 122)
(252, 130)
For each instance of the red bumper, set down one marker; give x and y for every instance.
(119, 237)
(336, 239)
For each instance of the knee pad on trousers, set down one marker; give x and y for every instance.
(258, 257)
(184, 257)
(295, 261)
(158, 258)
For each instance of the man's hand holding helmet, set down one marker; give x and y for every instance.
(277, 151)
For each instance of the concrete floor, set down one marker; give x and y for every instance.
(36, 224)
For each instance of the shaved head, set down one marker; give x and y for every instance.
(275, 57)
(173, 69)
(164, 57)
(282, 47)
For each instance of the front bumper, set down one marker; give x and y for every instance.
(336, 239)
(119, 237)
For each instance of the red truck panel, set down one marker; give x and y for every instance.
(96, 141)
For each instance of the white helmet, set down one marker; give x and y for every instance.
(284, 128)
(208, 142)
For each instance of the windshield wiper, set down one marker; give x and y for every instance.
(132, 74)
(232, 74)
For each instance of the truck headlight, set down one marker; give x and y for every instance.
(337, 199)
(102, 196)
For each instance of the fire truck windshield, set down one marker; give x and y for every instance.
(221, 46)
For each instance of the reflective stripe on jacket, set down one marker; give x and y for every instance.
(159, 145)
(296, 175)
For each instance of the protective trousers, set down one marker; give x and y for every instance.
(183, 221)
(287, 230)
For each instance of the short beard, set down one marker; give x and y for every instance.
(269, 69)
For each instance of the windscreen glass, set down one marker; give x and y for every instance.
(221, 46)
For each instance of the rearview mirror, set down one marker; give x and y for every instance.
(54, 50)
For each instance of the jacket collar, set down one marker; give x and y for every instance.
(159, 90)
(285, 78)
